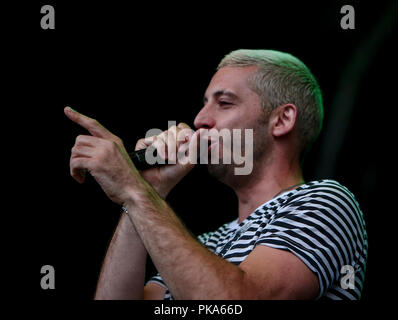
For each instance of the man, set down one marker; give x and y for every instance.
(292, 240)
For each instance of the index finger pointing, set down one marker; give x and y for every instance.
(92, 125)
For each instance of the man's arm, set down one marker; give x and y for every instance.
(123, 271)
(193, 272)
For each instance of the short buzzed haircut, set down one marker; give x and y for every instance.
(280, 79)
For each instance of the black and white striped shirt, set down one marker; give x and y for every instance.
(320, 222)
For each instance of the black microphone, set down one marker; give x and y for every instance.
(138, 158)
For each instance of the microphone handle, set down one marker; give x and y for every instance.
(138, 158)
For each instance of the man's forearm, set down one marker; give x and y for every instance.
(189, 269)
(123, 271)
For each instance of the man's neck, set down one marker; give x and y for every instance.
(265, 184)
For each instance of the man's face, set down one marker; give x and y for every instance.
(229, 103)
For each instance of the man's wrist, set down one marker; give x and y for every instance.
(126, 224)
(163, 193)
(141, 194)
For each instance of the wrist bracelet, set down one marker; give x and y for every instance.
(127, 213)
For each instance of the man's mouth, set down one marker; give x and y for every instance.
(211, 143)
(210, 146)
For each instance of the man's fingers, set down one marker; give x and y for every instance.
(92, 125)
(169, 142)
(183, 125)
(78, 167)
(161, 146)
(144, 143)
(90, 141)
(86, 148)
(82, 151)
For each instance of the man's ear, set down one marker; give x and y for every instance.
(283, 119)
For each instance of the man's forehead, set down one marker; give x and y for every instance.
(229, 81)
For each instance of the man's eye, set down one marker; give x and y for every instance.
(224, 102)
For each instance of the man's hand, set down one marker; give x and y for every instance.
(168, 145)
(105, 157)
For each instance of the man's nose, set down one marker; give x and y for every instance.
(204, 119)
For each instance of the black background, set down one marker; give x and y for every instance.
(135, 67)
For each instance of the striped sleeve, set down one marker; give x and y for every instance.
(321, 227)
(204, 237)
(157, 279)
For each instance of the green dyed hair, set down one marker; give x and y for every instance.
(280, 79)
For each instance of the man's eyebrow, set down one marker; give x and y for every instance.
(222, 92)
